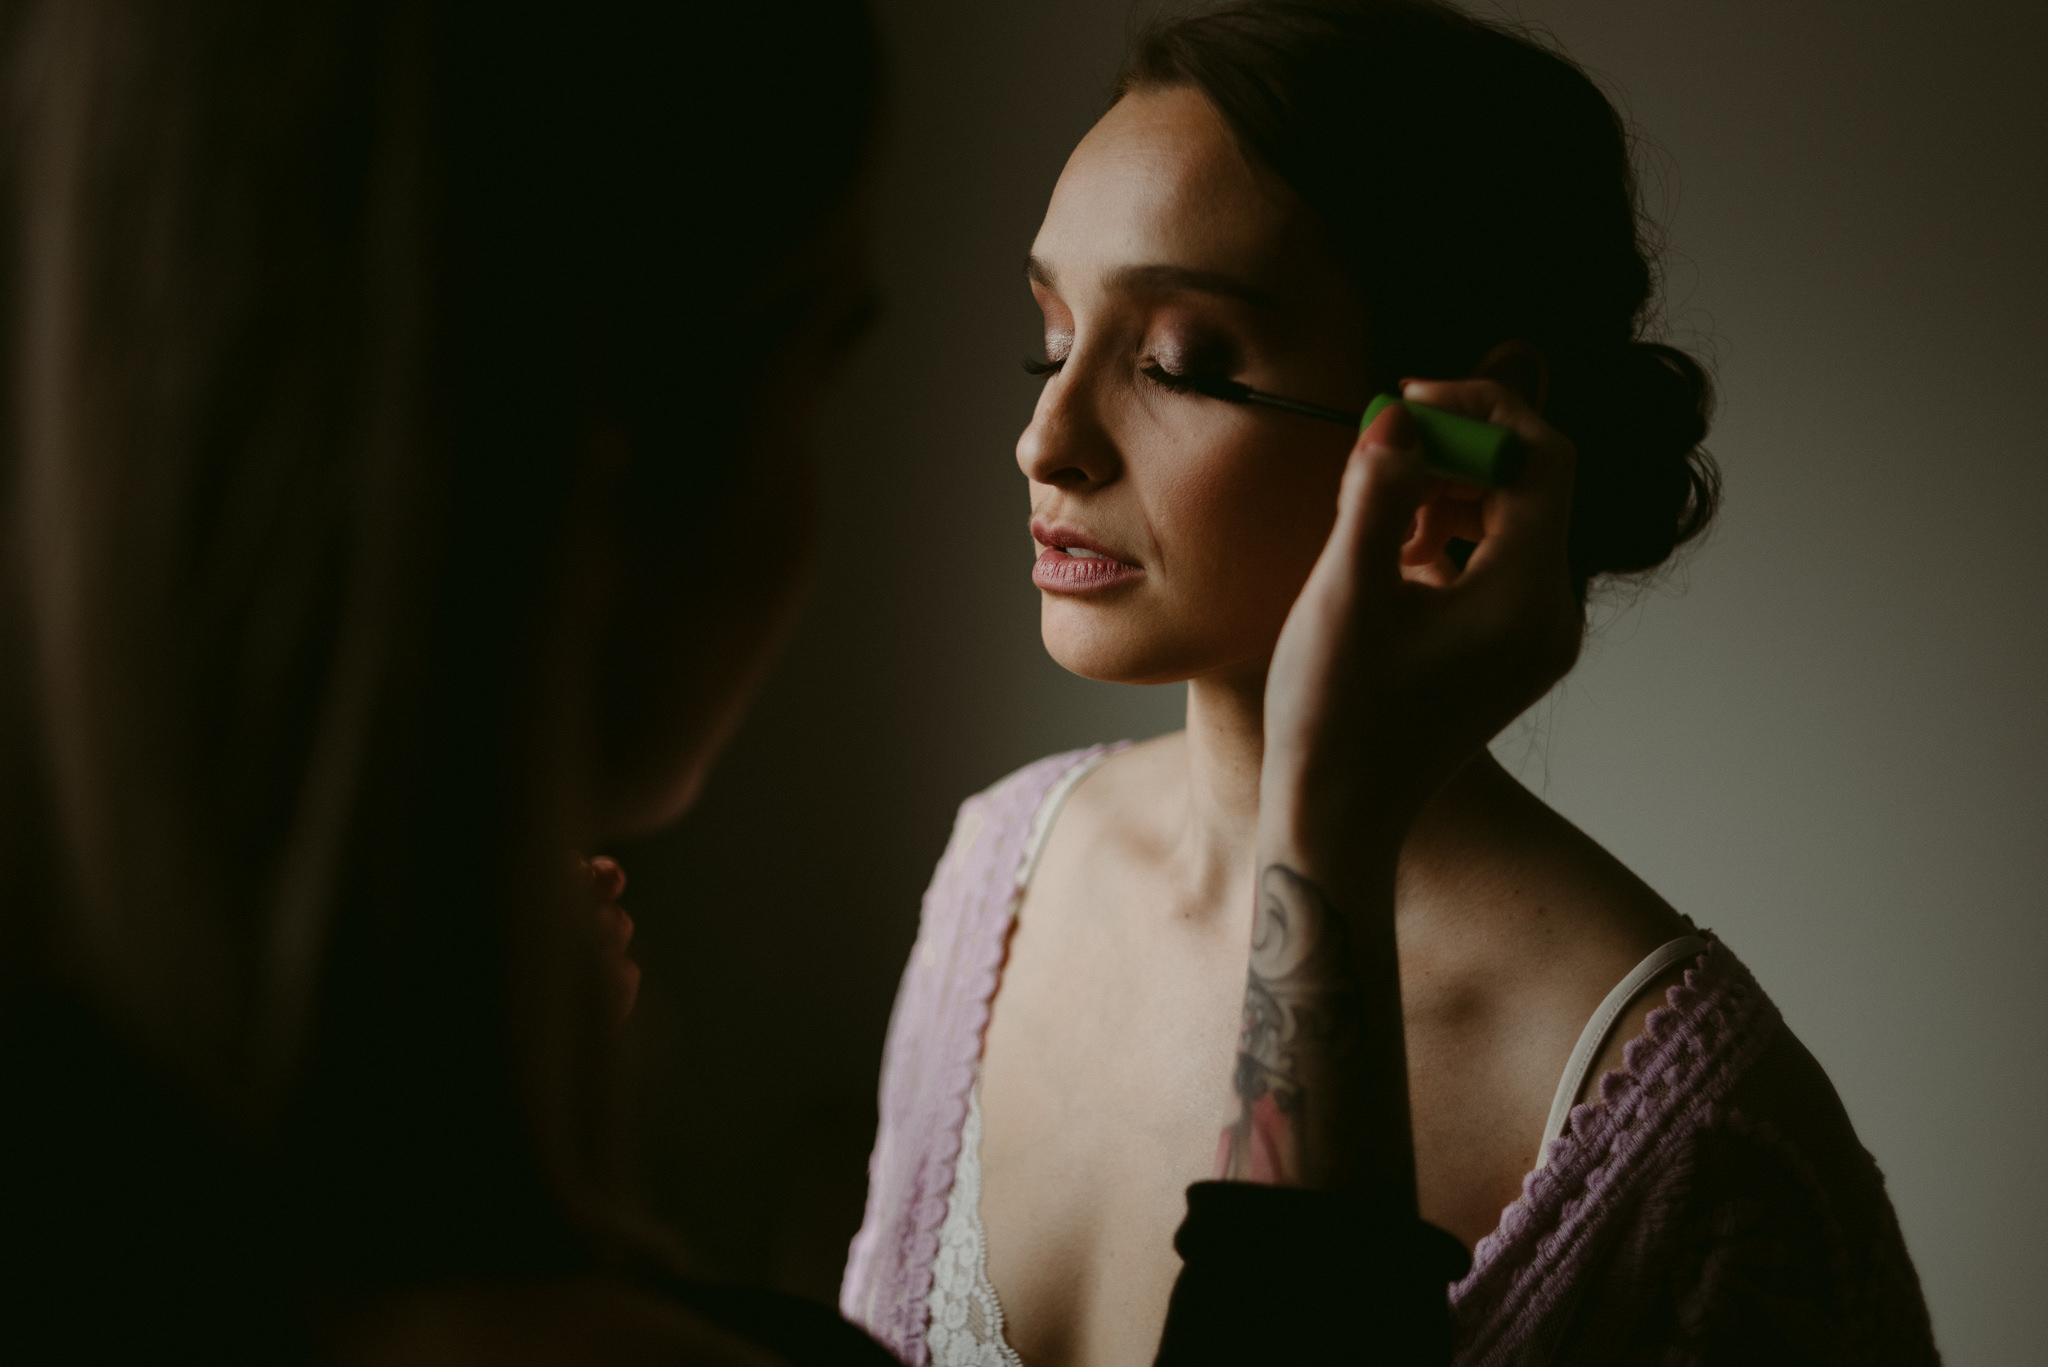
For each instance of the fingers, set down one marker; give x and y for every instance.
(1486, 400)
(1450, 512)
(607, 879)
(625, 973)
(1528, 523)
(1383, 487)
(618, 927)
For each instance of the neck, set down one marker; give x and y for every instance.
(1226, 743)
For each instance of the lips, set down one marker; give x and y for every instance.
(1071, 561)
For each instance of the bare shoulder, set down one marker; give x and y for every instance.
(1119, 795)
(1589, 920)
(1113, 832)
(1549, 895)
(1140, 768)
(1515, 926)
(586, 1320)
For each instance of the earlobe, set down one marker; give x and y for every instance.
(1520, 366)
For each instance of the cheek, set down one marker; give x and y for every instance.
(1239, 532)
(1231, 537)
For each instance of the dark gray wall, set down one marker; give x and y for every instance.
(1824, 737)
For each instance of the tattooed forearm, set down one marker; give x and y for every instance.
(1304, 1009)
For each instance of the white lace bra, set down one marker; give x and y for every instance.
(966, 1325)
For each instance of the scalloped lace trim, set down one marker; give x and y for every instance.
(1690, 1052)
(1578, 1070)
(982, 937)
(966, 1325)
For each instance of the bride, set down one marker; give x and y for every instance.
(1318, 199)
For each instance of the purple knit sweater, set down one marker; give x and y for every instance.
(1713, 1207)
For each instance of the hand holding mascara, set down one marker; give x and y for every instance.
(1458, 447)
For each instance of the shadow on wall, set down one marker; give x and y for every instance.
(915, 678)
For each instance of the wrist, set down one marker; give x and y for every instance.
(1329, 825)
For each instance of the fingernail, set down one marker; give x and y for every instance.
(606, 874)
(1395, 429)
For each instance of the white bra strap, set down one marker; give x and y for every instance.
(1049, 808)
(1594, 1037)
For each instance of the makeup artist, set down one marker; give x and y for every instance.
(407, 479)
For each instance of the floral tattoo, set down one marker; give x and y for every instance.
(1303, 1015)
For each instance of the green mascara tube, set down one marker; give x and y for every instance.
(1458, 447)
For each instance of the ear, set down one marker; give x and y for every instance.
(1520, 366)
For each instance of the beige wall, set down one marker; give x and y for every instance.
(1825, 738)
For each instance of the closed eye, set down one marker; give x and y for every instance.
(1037, 367)
(1214, 386)
(1168, 379)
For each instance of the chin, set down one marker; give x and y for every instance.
(663, 783)
(679, 692)
(1113, 642)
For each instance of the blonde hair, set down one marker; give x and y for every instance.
(241, 832)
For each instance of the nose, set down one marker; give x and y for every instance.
(1066, 445)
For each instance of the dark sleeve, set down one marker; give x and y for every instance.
(1751, 1251)
(1276, 1274)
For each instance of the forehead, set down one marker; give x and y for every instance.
(1161, 181)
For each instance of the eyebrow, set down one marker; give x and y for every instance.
(1164, 280)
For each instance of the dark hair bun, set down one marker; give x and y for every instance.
(1480, 187)
(1645, 486)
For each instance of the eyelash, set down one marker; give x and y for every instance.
(1167, 379)
(1034, 367)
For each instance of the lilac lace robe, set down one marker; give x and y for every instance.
(1713, 1207)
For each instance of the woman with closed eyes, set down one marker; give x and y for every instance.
(1323, 200)
(372, 536)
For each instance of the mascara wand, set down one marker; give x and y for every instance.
(1453, 446)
